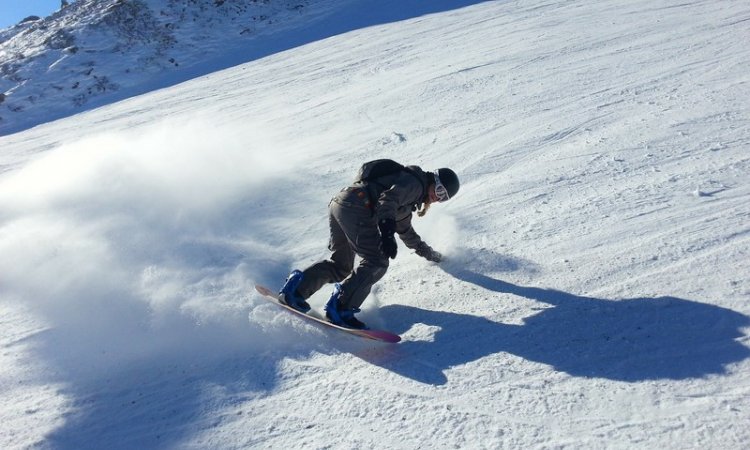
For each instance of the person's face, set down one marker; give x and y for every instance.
(432, 195)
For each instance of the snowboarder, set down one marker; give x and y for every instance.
(363, 220)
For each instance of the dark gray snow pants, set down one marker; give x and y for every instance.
(354, 231)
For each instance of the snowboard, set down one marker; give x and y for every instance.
(376, 335)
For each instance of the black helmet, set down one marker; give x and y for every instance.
(448, 179)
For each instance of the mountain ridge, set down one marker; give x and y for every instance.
(93, 52)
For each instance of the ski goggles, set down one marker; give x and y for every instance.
(440, 190)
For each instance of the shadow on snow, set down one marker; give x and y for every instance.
(629, 340)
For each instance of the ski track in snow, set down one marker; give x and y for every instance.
(595, 292)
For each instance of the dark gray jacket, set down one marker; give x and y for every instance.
(396, 197)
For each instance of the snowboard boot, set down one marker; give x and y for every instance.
(341, 317)
(289, 295)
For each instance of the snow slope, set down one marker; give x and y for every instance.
(596, 289)
(95, 52)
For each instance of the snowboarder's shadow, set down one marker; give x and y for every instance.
(627, 340)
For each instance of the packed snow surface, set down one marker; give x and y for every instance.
(596, 287)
